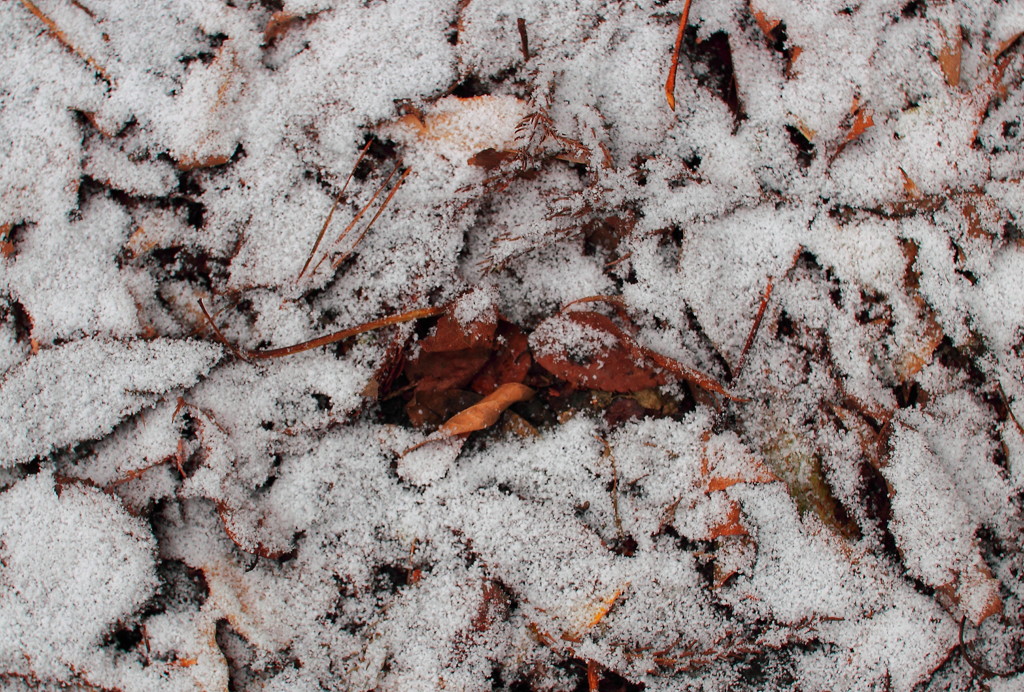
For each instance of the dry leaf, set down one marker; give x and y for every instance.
(485, 413)
(950, 56)
(510, 361)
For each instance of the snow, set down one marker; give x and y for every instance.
(176, 516)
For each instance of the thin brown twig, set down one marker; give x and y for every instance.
(670, 83)
(326, 339)
(757, 325)
(376, 216)
(615, 486)
(1009, 409)
(524, 44)
(56, 32)
(356, 218)
(220, 336)
(330, 214)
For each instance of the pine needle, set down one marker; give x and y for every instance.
(261, 354)
(330, 214)
(757, 325)
(670, 83)
(376, 216)
(55, 31)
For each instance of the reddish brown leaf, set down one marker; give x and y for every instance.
(509, 362)
(490, 158)
(616, 363)
(452, 335)
(444, 370)
(617, 368)
(453, 355)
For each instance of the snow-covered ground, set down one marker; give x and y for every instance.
(720, 396)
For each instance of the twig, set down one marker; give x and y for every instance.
(376, 216)
(524, 44)
(757, 325)
(220, 337)
(322, 340)
(330, 214)
(1009, 409)
(615, 486)
(670, 83)
(55, 31)
(356, 218)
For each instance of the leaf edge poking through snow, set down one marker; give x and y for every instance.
(80, 390)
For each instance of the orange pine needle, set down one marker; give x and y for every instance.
(356, 218)
(670, 83)
(757, 325)
(322, 340)
(330, 214)
(593, 676)
(387, 200)
(55, 31)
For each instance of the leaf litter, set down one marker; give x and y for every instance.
(425, 346)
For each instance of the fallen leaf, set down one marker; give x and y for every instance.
(613, 368)
(480, 415)
(278, 25)
(509, 362)
(602, 356)
(591, 614)
(485, 413)
(862, 120)
(950, 56)
(730, 525)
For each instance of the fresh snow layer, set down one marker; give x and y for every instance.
(828, 226)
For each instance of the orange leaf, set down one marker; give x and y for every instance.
(485, 413)
(950, 57)
(726, 463)
(730, 526)
(768, 25)
(862, 120)
(278, 24)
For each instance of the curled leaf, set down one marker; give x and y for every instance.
(485, 413)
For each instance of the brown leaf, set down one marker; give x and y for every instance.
(509, 362)
(617, 368)
(623, 366)
(454, 354)
(490, 158)
(950, 57)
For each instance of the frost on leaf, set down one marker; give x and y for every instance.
(81, 390)
(74, 566)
